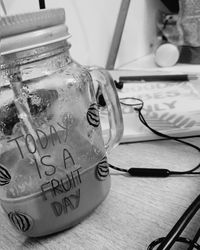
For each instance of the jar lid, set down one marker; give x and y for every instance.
(29, 30)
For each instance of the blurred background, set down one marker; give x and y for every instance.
(92, 23)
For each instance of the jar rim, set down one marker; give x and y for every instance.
(33, 29)
(33, 39)
(12, 25)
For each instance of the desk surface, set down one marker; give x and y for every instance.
(136, 211)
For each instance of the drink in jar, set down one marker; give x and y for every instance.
(53, 165)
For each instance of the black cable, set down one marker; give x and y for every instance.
(191, 171)
(138, 104)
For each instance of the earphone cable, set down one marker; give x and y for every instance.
(191, 171)
(151, 172)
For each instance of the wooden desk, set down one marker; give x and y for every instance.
(136, 211)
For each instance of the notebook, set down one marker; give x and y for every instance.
(172, 108)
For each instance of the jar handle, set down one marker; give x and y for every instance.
(108, 89)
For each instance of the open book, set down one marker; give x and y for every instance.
(172, 108)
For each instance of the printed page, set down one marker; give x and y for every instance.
(172, 108)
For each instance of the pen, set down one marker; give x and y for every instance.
(42, 4)
(150, 78)
(153, 78)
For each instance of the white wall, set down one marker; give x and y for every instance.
(139, 34)
(92, 22)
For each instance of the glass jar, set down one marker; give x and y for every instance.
(53, 159)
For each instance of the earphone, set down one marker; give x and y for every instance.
(165, 243)
(138, 104)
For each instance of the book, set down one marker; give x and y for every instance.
(172, 108)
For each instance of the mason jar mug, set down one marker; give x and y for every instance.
(53, 158)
